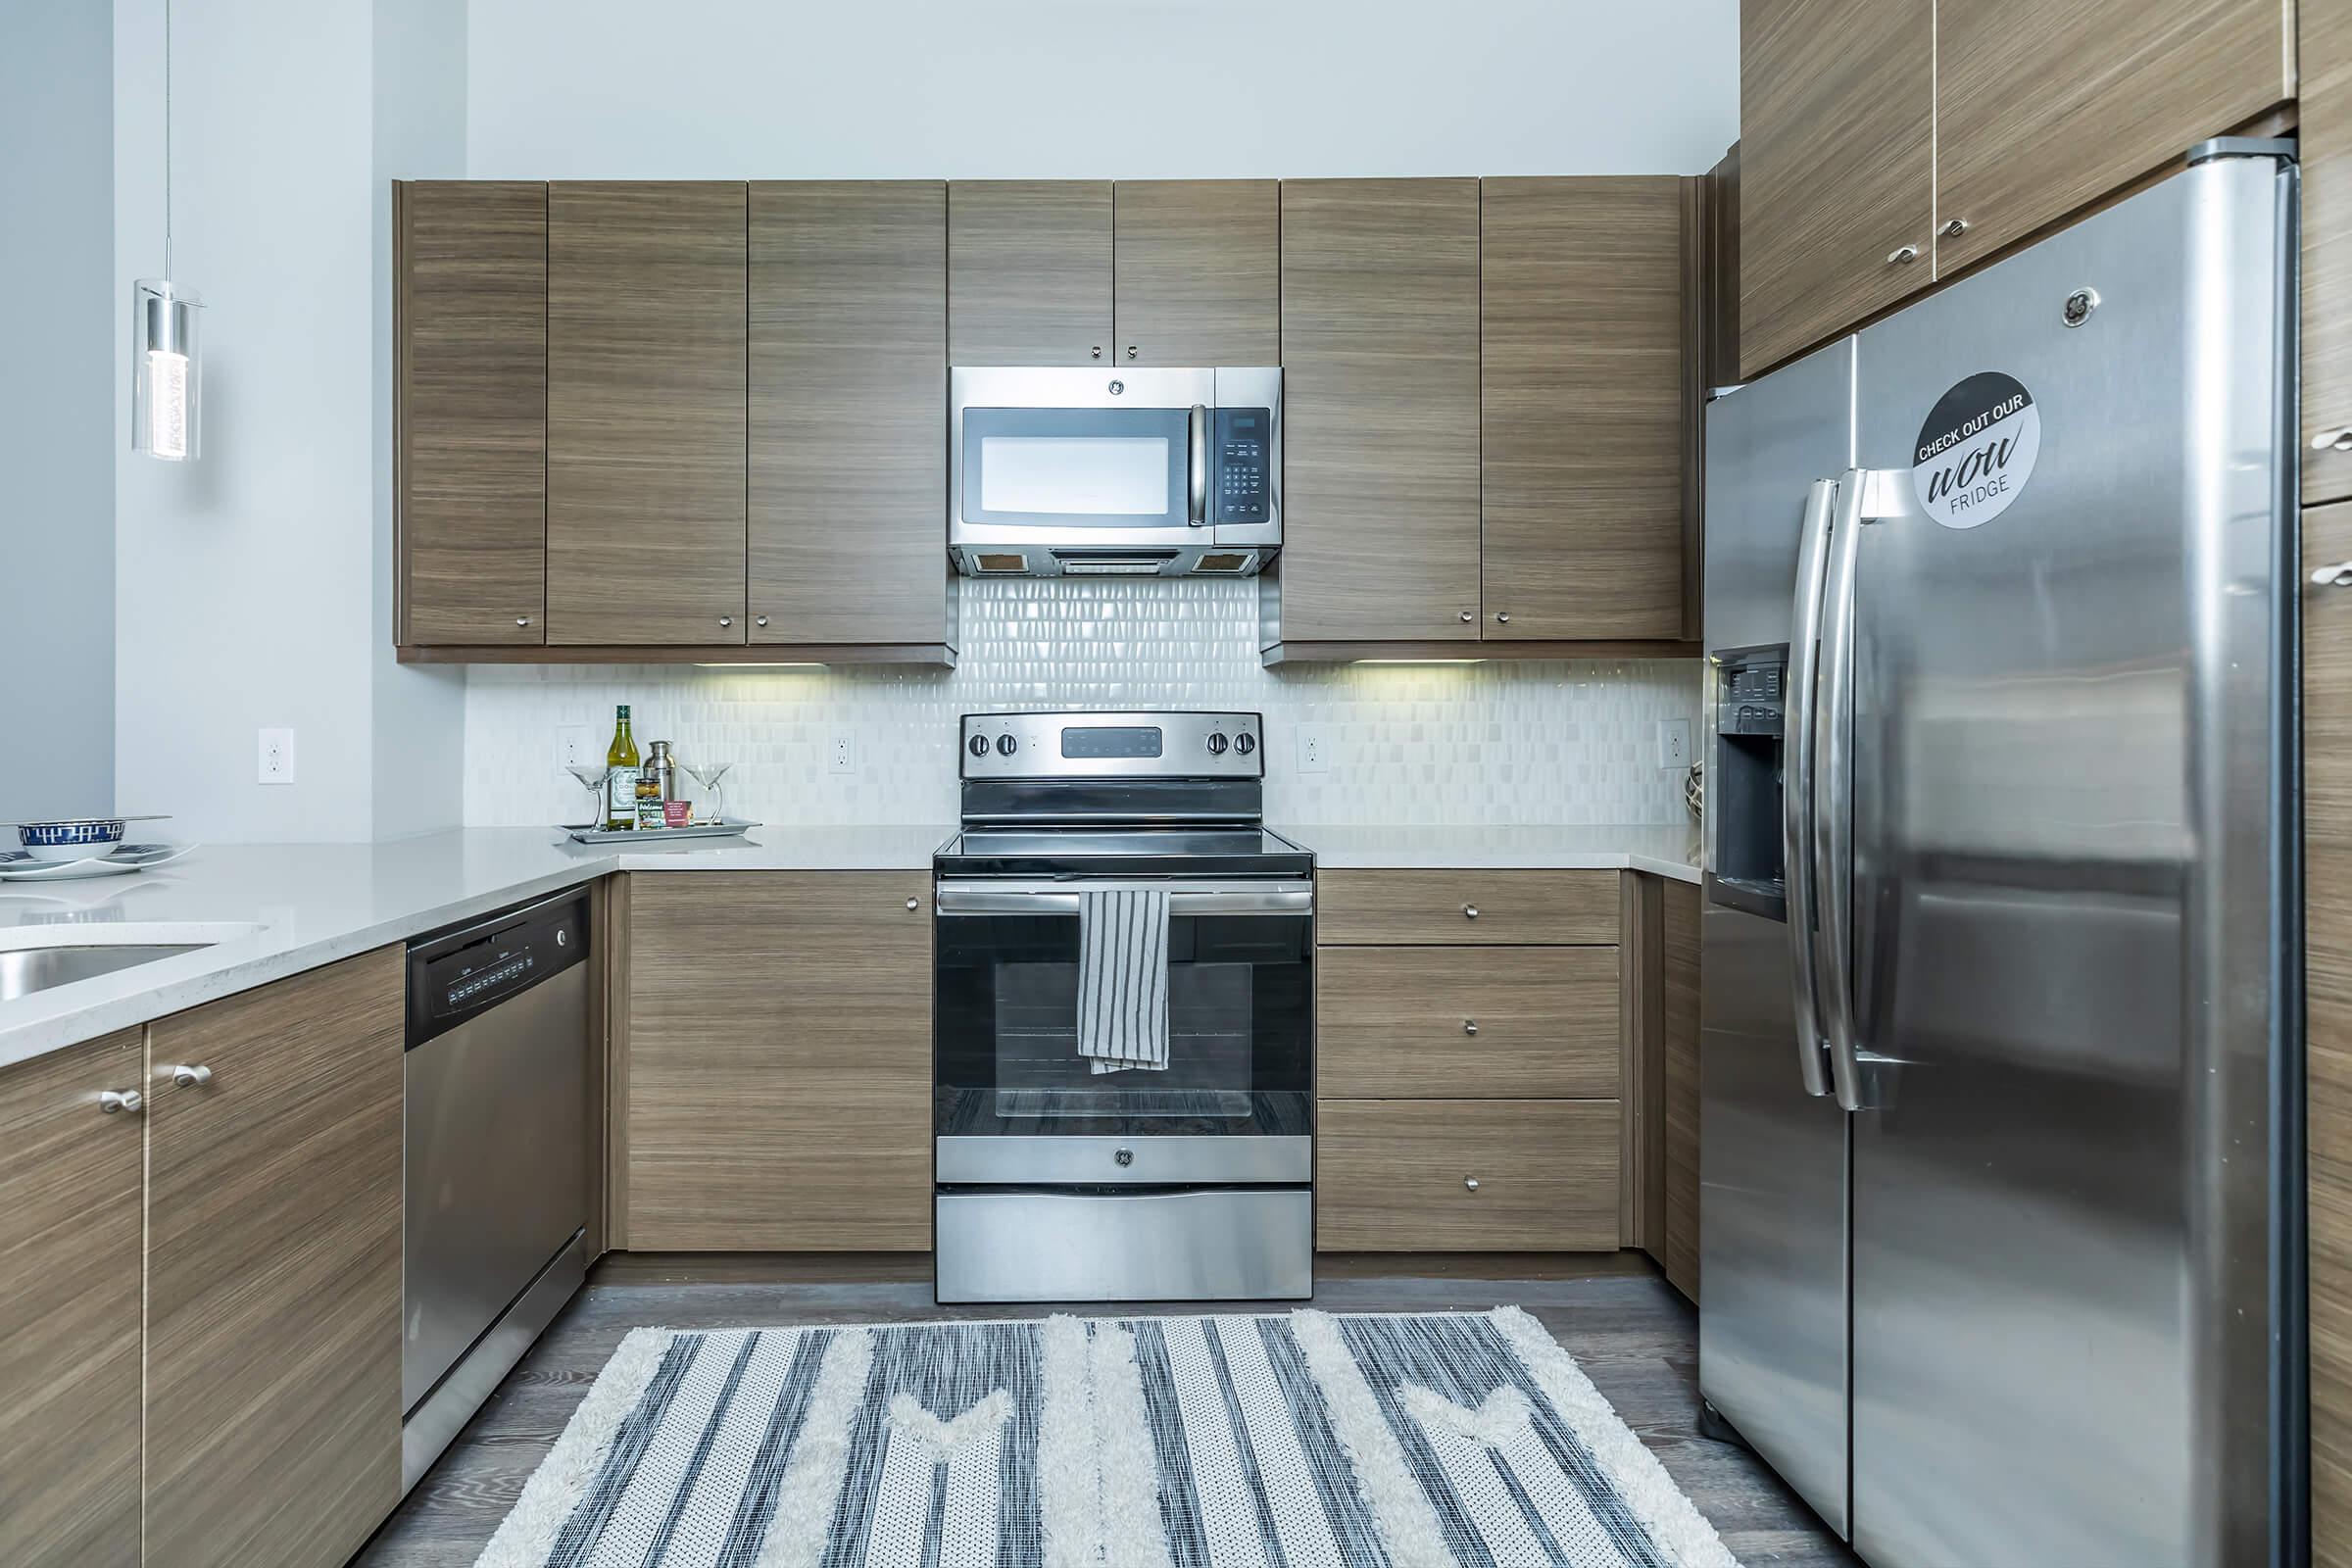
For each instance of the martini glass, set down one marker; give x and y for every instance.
(592, 778)
(708, 775)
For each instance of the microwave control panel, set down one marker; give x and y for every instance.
(1245, 464)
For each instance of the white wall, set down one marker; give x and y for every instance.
(1102, 88)
(58, 375)
(247, 581)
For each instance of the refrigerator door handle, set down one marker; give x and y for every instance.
(1798, 804)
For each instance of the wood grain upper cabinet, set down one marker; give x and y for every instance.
(273, 1258)
(473, 411)
(1581, 394)
(69, 1223)
(2044, 106)
(1380, 410)
(646, 410)
(2323, 116)
(1197, 265)
(779, 1061)
(1029, 271)
(1837, 166)
(2328, 1029)
(849, 304)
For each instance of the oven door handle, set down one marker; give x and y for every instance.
(1061, 897)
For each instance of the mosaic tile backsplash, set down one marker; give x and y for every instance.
(1503, 742)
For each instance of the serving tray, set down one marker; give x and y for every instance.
(659, 835)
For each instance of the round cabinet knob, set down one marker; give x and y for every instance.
(1955, 228)
(522, 620)
(1503, 616)
(1245, 744)
(1467, 618)
(2335, 438)
(726, 620)
(1902, 255)
(759, 621)
(1096, 352)
(977, 746)
(1006, 746)
(129, 1099)
(913, 904)
(192, 1077)
(1469, 911)
(1469, 1026)
(1217, 743)
(2338, 576)
(1131, 351)
(1470, 1182)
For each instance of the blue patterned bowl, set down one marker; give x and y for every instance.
(70, 841)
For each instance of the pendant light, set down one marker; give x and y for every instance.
(165, 371)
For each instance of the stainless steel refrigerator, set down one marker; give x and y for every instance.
(2000, 1216)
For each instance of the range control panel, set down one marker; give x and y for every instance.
(1245, 464)
(1068, 746)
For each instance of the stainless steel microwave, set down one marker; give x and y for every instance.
(1139, 472)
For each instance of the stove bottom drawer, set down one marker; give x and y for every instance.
(1196, 1244)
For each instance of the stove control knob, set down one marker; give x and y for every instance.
(1245, 744)
(977, 746)
(1216, 743)
(1006, 746)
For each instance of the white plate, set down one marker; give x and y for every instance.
(126, 859)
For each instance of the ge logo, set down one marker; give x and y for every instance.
(1124, 1157)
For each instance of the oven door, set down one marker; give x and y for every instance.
(1014, 1102)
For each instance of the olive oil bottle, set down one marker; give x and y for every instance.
(620, 785)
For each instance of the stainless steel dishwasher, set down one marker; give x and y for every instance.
(498, 1157)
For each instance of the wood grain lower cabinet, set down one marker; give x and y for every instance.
(1679, 976)
(1490, 1023)
(1029, 271)
(2324, 132)
(646, 456)
(1581, 409)
(849, 384)
(2328, 1024)
(70, 1291)
(274, 1272)
(1380, 355)
(777, 1061)
(472, 306)
(1417, 908)
(1466, 1175)
(1198, 267)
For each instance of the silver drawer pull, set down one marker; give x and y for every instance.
(1902, 255)
(2338, 576)
(1469, 1026)
(1471, 1183)
(2338, 439)
(1470, 911)
(192, 1077)
(129, 1099)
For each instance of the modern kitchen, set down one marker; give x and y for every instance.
(1176, 785)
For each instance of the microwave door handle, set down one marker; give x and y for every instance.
(1195, 500)
(1798, 786)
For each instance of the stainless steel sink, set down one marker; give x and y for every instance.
(29, 969)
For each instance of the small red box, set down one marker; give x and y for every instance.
(677, 814)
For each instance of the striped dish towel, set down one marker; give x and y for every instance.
(1123, 978)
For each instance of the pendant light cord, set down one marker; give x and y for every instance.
(167, 138)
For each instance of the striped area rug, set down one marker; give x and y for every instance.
(1301, 1439)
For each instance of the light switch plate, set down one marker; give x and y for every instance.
(1674, 743)
(1314, 750)
(276, 762)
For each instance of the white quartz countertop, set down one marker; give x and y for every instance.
(319, 902)
(1664, 850)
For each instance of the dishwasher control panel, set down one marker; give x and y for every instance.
(455, 976)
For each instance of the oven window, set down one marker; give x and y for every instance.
(1240, 1031)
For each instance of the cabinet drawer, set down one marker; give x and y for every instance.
(1412, 907)
(1393, 1175)
(1437, 1022)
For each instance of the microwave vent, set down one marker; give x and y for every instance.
(987, 562)
(1236, 561)
(1113, 564)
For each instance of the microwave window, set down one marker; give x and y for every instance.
(1044, 475)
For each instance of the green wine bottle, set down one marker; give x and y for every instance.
(620, 786)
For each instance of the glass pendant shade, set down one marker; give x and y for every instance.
(166, 370)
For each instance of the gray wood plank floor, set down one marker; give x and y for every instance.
(1637, 1339)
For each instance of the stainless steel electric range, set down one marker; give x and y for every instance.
(1059, 1178)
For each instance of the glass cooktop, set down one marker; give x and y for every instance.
(1096, 850)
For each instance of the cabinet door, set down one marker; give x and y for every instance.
(2327, 1047)
(2325, 116)
(1581, 408)
(1380, 410)
(1837, 166)
(1680, 982)
(1029, 271)
(645, 422)
(2044, 106)
(274, 1196)
(779, 1062)
(70, 1309)
(1490, 1023)
(1466, 1175)
(1199, 267)
(848, 308)
(472, 298)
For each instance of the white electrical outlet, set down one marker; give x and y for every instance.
(843, 755)
(276, 761)
(571, 746)
(1314, 752)
(1674, 743)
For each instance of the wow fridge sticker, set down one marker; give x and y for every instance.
(1976, 450)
